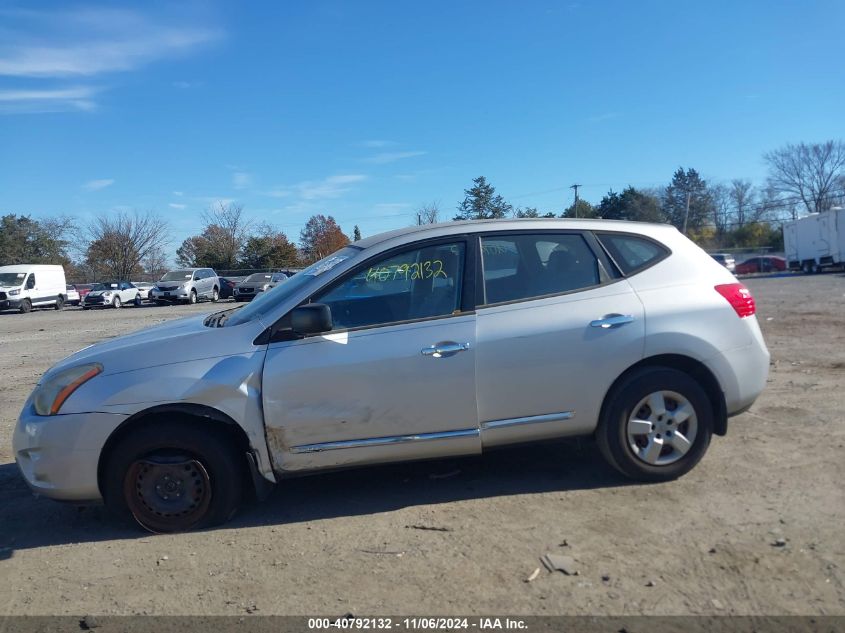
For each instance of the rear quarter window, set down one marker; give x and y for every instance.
(632, 253)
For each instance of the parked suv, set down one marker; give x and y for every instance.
(426, 342)
(187, 285)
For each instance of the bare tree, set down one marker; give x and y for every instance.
(155, 262)
(720, 208)
(120, 241)
(811, 172)
(234, 230)
(742, 196)
(428, 213)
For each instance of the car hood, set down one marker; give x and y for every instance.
(175, 341)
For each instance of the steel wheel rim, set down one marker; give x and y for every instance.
(167, 493)
(662, 428)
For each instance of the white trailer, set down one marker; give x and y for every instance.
(816, 241)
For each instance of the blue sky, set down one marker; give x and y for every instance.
(365, 110)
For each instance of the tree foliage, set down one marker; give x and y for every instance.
(320, 237)
(269, 249)
(584, 208)
(632, 204)
(687, 184)
(356, 234)
(481, 202)
(24, 240)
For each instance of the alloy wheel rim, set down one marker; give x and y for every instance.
(662, 428)
(167, 493)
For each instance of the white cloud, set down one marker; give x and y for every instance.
(174, 205)
(96, 185)
(607, 116)
(391, 157)
(48, 100)
(241, 179)
(184, 85)
(331, 187)
(179, 193)
(103, 40)
(375, 144)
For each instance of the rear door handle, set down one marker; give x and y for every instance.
(444, 349)
(612, 320)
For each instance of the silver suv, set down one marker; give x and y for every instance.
(187, 285)
(426, 342)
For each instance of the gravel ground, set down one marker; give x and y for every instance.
(755, 528)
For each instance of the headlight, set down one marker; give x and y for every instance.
(15, 292)
(51, 394)
(265, 286)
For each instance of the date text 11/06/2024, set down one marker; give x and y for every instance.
(417, 624)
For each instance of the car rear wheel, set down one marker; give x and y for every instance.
(117, 303)
(656, 425)
(138, 301)
(173, 477)
(60, 303)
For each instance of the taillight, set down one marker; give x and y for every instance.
(739, 297)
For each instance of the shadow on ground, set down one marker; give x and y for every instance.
(29, 522)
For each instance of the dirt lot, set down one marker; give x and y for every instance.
(343, 542)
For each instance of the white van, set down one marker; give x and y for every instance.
(27, 286)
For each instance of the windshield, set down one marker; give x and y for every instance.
(267, 301)
(11, 279)
(177, 275)
(259, 277)
(106, 285)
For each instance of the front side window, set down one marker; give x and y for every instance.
(415, 284)
(30, 283)
(518, 267)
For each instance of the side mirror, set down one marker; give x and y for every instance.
(311, 318)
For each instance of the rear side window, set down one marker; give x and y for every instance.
(630, 252)
(519, 267)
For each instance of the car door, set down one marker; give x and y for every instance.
(556, 327)
(127, 292)
(395, 377)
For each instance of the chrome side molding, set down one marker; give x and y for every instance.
(532, 419)
(383, 441)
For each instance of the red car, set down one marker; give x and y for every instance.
(763, 264)
(83, 289)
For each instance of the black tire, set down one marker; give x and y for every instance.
(26, 306)
(117, 303)
(192, 298)
(215, 294)
(60, 303)
(160, 447)
(612, 433)
(137, 301)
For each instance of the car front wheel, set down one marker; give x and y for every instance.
(656, 425)
(117, 302)
(192, 298)
(173, 477)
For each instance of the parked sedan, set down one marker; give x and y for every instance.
(250, 287)
(762, 264)
(144, 288)
(72, 295)
(227, 286)
(112, 294)
(83, 289)
(425, 342)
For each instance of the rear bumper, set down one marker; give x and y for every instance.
(58, 455)
(742, 372)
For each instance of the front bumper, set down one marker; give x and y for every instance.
(172, 295)
(58, 455)
(8, 304)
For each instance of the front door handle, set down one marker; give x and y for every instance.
(444, 349)
(612, 320)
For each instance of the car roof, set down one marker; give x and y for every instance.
(443, 229)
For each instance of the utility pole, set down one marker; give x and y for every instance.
(575, 187)
(686, 213)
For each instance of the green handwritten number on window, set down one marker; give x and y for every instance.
(431, 268)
